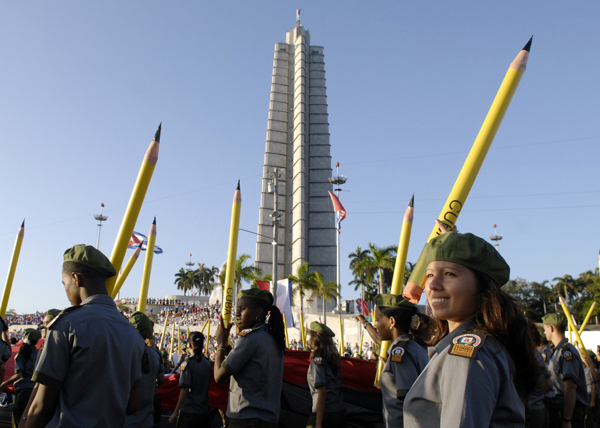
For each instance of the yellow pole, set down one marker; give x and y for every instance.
(179, 340)
(203, 327)
(287, 343)
(304, 344)
(123, 276)
(12, 268)
(361, 343)
(341, 347)
(134, 206)
(460, 191)
(398, 278)
(587, 317)
(172, 340)
(147, 268)
(234, 230)
(164, 333)
(207, 340)
(572, 325)
(302, 329)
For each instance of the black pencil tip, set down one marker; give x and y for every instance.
(157, 135)
(154, 222)
(238, 186)
(412, 201)
(23, 224)
(140, 244)
(528, 45)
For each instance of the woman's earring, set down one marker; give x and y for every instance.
(391, 327)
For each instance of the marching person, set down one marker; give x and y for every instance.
(484, 366)
(325, 379)
(567, 400)
(84, 357)
(153, 373)
(192, 407)
(24, 366)
(406, 359)
(254, 366)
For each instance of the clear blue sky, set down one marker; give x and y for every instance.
(83, 86)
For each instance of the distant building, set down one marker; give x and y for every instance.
(298, 140)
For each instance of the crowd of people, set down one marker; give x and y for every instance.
(477, 362)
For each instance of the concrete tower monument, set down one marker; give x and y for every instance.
(298, 147)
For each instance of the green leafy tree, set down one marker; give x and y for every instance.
(325, 291)
(379, 259)
(185, 279)
(304, 282)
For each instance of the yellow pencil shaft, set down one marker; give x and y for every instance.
(207, 340)
(302, 328)
(572, 326)
(287, 342)
(231, 259)
(164, 333)
(172, 340)
(132, 212)
(123, 276)
(203, 327)
(179, 340)
(463, 184)
(587, 318)
(146, 273)
(11, 272)
(362, 335)
(304, 338)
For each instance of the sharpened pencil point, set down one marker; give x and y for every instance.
(154, 222)
(140, 245)
(157, 135)
(23, 224)
(238, 186)
(412, 201)
(528, 45)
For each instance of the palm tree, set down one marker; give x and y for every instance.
(184, 279)
(304, 281)
(324, 291)
(242, 273)
(379, 259)
(360, 277)
(570, 285)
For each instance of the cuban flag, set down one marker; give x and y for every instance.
(138, 238)
(362, 307)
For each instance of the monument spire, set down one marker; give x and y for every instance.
(298, 17)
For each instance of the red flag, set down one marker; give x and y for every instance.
(365, 308)
(337, 206)
(264, 285)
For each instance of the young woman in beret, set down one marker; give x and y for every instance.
(484, 366)
(325, 380)
(254, 366)
(398, 321)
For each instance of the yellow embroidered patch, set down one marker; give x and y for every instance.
(396, 358)
(462, 350)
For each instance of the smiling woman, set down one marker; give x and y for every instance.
(484, 365)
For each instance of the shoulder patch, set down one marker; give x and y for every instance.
(397, 354)
(183, 365)
(63, 312)
(466, 345)
(318, 360)
(568, 355)
(245, 332)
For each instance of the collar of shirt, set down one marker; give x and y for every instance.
(445, 342)
(559, 345)
(102, 299)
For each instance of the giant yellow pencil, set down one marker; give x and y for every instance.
(287, 342)
(572, 325)
(302, 328)
(164, 333)
(341, 347)
(12, 268)
(179, 340)
(587, 317)
(398, 278)
(207, 340)
(234, 230)
(172, 340)
(123, 276)
(133, 207)
(147, 268)
(202, 329)
(459, 193)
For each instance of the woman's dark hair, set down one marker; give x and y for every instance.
(499, 316)
(196, 341)
(403, 319)
(274, 320)
(322, 346)
(26, 350)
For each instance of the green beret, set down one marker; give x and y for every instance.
(470, 251)
(555, 319)
(256, 293)
(164, 353)
(142, 324)
(393, 301)
(540, 329)
(317, 327)
(33, 335)
(90, 257)
(53, 313)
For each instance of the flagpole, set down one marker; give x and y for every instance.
(338, 180)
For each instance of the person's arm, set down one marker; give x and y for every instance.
(321, 401)
(183, 393)
(42, 408)
(370, 329)
(23, 422)
(570, 399)
(222, 334)
(135, 399)
(10, 380)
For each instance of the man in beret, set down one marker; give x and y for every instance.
(50, 315)
(89, 371)
(567, 400)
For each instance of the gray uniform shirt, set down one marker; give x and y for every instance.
(406, 359)
(256, 368)
(321, 374)
(462, 391)
(195, 375)
(144, 417)
(93, 356)
(565, 363)
(25, 368)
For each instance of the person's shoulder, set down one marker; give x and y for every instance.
(64, 316)
(469, 344)
(568, 352)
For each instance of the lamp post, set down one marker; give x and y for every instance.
(100, 219)
(495, 237)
